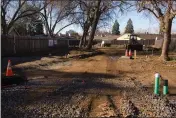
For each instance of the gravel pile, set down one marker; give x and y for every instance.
(143, 103)
(50, 108)
(15, 104)
(162, 107)
(10, 101)
(128, 109)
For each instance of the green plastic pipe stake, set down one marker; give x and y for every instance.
(156, 88)
(165, 87)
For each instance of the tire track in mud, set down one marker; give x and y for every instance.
(101, 107)
(84, 104)
(111, 66)
(68, 103)
(114, 99)
(105, 105)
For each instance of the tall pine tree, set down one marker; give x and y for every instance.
(115, 28)
(129, 27)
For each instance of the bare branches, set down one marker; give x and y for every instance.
(57, 11)
(151, 10)
(164, 12)
(64, 27)
(158, 7)
(174, 13)
(19, 11)
(155, 10)
(173, 9)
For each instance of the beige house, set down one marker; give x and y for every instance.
(141, 36)
(126, 36)
(106, 37)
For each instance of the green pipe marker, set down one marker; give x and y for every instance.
(165, 87)
(156, 89)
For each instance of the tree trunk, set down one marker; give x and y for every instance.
(167, 39)
(81, 41)
(92, 33)
(86, 33)
(83, 37)
(4, 30)
(161, 28)
(3, 25)
(94, 26)
(84, 40)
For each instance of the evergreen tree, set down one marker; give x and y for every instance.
(115, 28)
(129, 27)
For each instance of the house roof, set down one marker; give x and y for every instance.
(108, 37)
(150, 36)
(141, 36)
(153, 36)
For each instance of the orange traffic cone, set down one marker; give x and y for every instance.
(130, 53)
(126, 53)
(9, 69)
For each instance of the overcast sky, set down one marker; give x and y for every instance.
(141, 23)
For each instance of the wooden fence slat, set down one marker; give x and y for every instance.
(124, 42)
(29, 44)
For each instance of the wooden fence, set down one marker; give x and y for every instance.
(124, 42)
(26, 45)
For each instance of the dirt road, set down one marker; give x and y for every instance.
(98, 86)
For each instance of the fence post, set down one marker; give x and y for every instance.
(68, 42)
(14, 45)
(39, 44)
(33, 46)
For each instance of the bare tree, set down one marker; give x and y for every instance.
(97, 13)
(84, 18)
(102, 7)
(105, 10)
(56, 12)
(165, 12)
(11, 11)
